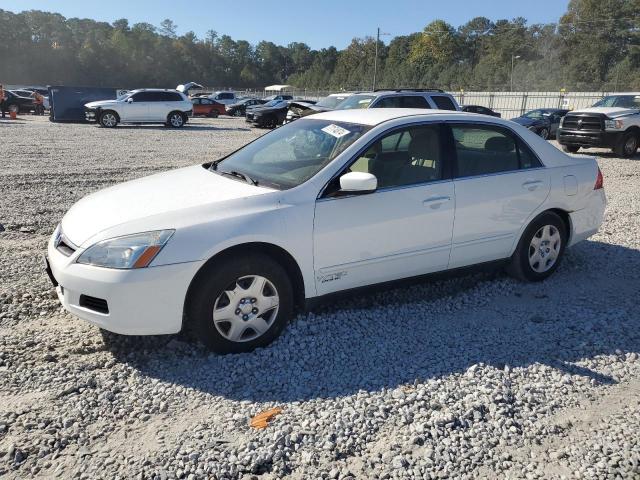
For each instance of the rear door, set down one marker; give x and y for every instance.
(499, 183)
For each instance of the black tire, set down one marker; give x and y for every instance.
(108, 119)
(627, 146)
(209, 287)
(544, 133)
(238, 113)
(213, 114)
(520, 266)
(175, 120)
(271, 122)
(570, 148)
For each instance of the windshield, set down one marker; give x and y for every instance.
(356, 101)
(536, 114)
(330, 102)
(293, 153)
(624, 101)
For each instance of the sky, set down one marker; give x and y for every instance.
(318, 24)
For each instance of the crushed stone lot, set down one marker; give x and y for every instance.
(476, 376)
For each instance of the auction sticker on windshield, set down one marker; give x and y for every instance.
(336, 130)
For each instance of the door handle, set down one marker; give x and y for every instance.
(435, 201)
(531, 185)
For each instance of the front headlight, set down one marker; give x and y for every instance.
(613, 124)
(131, 251)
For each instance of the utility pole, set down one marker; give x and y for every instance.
(375, 59)
(513, 58)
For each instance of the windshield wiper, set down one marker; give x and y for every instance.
(242, 176)
(214, 164)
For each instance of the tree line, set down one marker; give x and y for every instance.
(594, 46)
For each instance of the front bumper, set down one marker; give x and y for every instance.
(589, 138)
(91, 114)
(146, 301)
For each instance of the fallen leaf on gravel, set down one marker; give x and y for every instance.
(261, 420)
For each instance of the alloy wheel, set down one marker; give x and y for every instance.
(176, 120)
(109, 120)
(246, 309)
(544, 248)
(631, 145)
(544, 133)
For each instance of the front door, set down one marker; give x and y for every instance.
(136, 109)
(498, 186)
(402, 229)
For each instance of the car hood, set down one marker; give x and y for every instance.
(145, 203)
(528, 122)
(611, 112)
(101, 103)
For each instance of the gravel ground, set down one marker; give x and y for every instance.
(476, 376)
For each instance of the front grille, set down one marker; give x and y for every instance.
(574, 121)
(96, 304)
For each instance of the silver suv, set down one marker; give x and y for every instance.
(401, 98)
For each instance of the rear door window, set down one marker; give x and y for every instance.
(484, 150)
(415, 101)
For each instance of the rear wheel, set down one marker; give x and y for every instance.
(213, 114)
(108, 119)
(240, 303)
(627, 146)
(570, 148)
(175, 119)
(238, 113)
(540, 249)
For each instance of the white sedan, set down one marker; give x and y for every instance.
(332, 202)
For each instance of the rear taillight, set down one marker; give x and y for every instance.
(599, 181)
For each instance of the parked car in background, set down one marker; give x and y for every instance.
(481, 110)
(326, 104)
(151, 105)
(401, 98)
(239, 109)
(278, 97)
(542, 121)
(339, 200)
(613, 122)
(28, 92)
(269, 115)
(226, 98)
(14, 102)
(203, 106)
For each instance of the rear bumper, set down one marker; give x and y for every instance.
(586, 221)
(589, 138)
(147, 301)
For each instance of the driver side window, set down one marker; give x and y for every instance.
(405, 157)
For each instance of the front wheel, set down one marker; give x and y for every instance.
(540, 249)
(240, 303)
(175, 120)
(570, 148)
(627, 146)
(544, 133)
(108, 119)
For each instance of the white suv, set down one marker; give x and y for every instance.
(431, 98)
(226, 98)
(142, 106)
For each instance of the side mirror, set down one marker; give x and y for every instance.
(129, 100)
(358, 182)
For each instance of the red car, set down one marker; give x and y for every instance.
(207, 107)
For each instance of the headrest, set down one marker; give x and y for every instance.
(424, 143)
(499, 144)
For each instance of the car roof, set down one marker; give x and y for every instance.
(408, 91)
(154, 90)
(375, 116)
